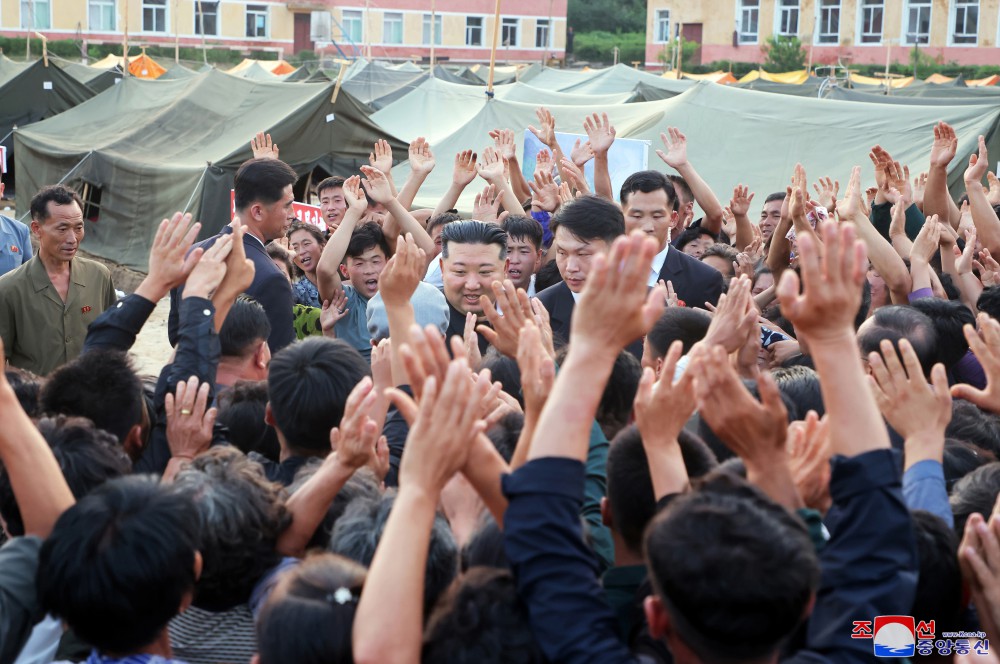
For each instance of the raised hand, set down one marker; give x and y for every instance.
(849, 207)
(575, 175)
(210, 270)
(919, 186)
(170, 258)
(546, 131)
(471, 341)
(979, 560)
(503, 140)
(487, 204)
(504, 330)
(189, 419)
(420, 156)
(945, 145)
(809, 459)
(354, 196)
(963, 262)
(538, 372)
(733, 318)
(376, 184)
(989, 269)
(380, 157)
(675, 143)
(263, 147)
(985, 345)
(333, 311)
(826, 192)
(979, 164)
(582, 152)
(927, 241)
(544, 193)
(543, 162)
(402, 273)
(600, 134)
(490, 167)
(994, 194)
(356, 439)
(465, 168)
(739, 204)
(663, 405)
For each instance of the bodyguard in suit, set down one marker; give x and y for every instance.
(263, 193)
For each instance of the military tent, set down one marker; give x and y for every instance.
(177, 71)
(97, 80)
(145, 149)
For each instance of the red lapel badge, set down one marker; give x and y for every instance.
(14, 248)
(85, 309)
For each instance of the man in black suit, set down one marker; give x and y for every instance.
(264, 205)
(649, 204)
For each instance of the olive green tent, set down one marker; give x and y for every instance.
(144, 149)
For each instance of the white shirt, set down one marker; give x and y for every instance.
(433, 275)
(576, 296)
(658, 261)
(531, 287)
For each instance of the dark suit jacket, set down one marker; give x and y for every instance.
(559, 302)
(694, 282)
(270, 287)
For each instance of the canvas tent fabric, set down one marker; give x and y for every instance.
(177, 71)
(140, 66)
(176, 145)
(378, 86)
(276, 67)
(97, 80)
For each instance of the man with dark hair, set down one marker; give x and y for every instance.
(895, 322)
(473, 256)
(243, 342)
(770, 214)
(48, 302)
(524, 251)
(332, 205)
(689, 326)
(15, 242)
(950, 318)
(263, 197)
(308, 384)
(722, 258)
(989, 302)
(649, 203)
(119, 565)
(103, 387)
(435, 225)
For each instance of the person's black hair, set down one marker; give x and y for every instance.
(100, 385)
(27, 388)
(119, 563)
(359, 530)
(520, 227)
(484, 548)
(948, 286)
(442, 219)
(630, 487)
(719, 611)
(87, 456)
(590, 218)
(615, 409)
(772, 312)
(678, 323)
(776, 196)
(989, 302)
(333, 182)
(505, 434)
(682, 189)
(504, 370)
(367, 236)
(726, 253)
(895, 322)
(53, 193)
(646, 182)
(865, 306)
(976, 493)
(241, 410)
(473, 232)
(261, 181)
(548, 275)
(961, 458)
(276, 252)
(692, 233)
(312, 229)
(304, 620)
(241, 515)
(974, 425)
(308, 383)
(362, 484)
(939, 589)
(245, 327)
(949, 317)
(801, 385)
(481, 620)
(735, 466)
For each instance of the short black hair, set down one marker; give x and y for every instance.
(519, 227)
(976, 493)
(615, 409)
(548, 275)
(120, 562)
(312, 229)
(263, 181)
(989, 302)
(939, 592)
(367, 236)
(974, 425)
(949, 318)
(734, 528)
(681, 187)
(241, 411)
(53, 193)
(308, 383)
(590, 218)
(87, 456)
(726, 253)
(100, 385)
(505, 434)
(801, 385)
(27, 388)
(895, 322)
(484, 548)
(630, 487)
(278, 253)
(689, 326)
(245, 327)
(504, 370)
(692, 233)
(961, 458)
(470, 231)
(646, 182)
(481, 620)
(362, 484)
(442, 219)
(333, 182)
(776, 196)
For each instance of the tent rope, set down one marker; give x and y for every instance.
(63, 179)
(194, 192)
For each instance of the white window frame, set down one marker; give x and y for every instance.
(510, 22)
(267, 20)
(218, 16)
(905, 34)
(780, 10)
(818, 38)
(391, 17)
(746, 9)
(953, 9)
(353, 15)
(481, 28)
(33, 13)
(661, 20)
(869, 5)
(543, 24)
(90, 15)
(438, 29)
(155, 5)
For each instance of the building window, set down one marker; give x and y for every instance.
(36, 14)
(965, 22)
(542, 33)
(662, 25)
(352, 25)
(788, 18)
(438, 30)
(392, 28)
(206, 17)
(101, 15)
(917, 29)
(748, 21)
(256, 20)
(154, 15)
(508, 31)
(828, 26)
(872, 12)
(473, 30)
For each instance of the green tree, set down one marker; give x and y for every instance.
(688, 49)
(783, 54)
(607, 15)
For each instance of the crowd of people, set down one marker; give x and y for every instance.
(577, 425)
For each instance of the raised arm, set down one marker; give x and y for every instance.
(937, 199)
(377, 186)
(546, 133)
(464, 173)
(739, 205)
(983, 216)
(380, 158)
(397, 283)
(503, 140)
(601, 136)
(676, 157)
(491, 169)
(422, 162)
(328, 268)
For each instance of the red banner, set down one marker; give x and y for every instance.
(309, 214)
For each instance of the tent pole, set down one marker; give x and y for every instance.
(340, 79)
(493, 50)
(125, 71)
(433, 34)
(177, 36)
(45, 48)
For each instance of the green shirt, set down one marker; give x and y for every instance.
(40, 332)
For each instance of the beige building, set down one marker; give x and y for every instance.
(858, 31)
